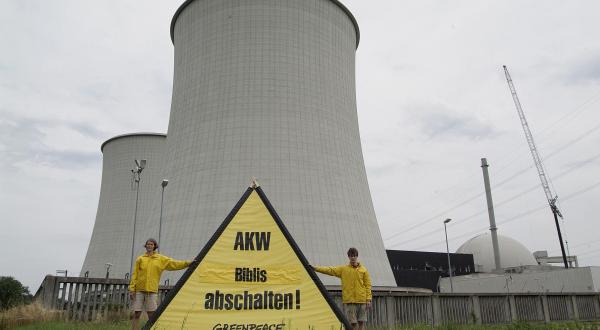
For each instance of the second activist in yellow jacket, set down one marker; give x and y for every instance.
(356, 282)
(149, 267)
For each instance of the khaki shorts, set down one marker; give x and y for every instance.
(356, 312)
(145, 301)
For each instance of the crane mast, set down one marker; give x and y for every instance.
(552, 198)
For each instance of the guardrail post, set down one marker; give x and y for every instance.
(476, 309)
(390, 311)
(575, 309)
(48, 291)
(436, 308)
(597, 307)
(512, 305)
(545, 308)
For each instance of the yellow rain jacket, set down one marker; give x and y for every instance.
(147, 271)
(356, 282)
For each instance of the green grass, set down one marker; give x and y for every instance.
(58, 325)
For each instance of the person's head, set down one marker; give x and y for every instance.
(353, 256)
(151, 245)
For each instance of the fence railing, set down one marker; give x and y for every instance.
(86, 299)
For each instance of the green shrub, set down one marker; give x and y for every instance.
(12, 293)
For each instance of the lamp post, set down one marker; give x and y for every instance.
(108, 265)
(136, 172)
(448, 253)
(163, 184)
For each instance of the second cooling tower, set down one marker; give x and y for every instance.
(266, 89)
(111, 240)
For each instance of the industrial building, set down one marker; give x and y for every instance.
(261, 89)
(418, 269)
(521, 271)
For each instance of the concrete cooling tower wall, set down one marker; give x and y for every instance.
(113, 230)
(266, 88)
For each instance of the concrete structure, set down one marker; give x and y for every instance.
(113, 229)
(266, 89)
(513, 253)
(90, 299)
(529, 280)
(543, 259)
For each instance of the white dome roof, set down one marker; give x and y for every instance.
(512, 253)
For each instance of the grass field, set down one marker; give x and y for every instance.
(57, 325)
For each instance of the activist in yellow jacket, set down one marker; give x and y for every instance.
(356, 282)
(148, 268)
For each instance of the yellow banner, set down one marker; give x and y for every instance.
(249, 278)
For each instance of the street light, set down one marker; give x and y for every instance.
(163, 184)
(448, 253)
(108, 265)
(136, 173)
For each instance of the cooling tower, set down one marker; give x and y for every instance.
(266, 89)
(113, 230)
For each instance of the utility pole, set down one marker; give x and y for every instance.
(538, 163)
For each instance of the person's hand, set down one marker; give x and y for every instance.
(132, 296)
(368, 304)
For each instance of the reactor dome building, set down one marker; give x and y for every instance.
(513, 253)
(264, 89)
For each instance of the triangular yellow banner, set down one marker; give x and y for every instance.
(251, 275)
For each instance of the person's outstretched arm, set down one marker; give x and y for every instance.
(333, 271)
(172, 264)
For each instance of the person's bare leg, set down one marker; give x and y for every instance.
(354, 326)
(150, 314)
(136, 320)
(361, 325)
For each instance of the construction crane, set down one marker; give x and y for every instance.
(552, 198)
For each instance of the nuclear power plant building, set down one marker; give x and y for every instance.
(261, 89)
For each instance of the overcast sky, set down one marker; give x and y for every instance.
(432, 101)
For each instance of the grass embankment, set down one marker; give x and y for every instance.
(34, 316)
(26, 314)
(58, 325)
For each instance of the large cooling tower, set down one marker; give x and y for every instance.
(266, 89)
(112, 236)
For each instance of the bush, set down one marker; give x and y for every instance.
(12, 293)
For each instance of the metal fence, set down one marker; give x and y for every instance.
(88, 299)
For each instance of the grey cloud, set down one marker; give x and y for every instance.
(584, 71)
(22, 140)
(441, 122)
